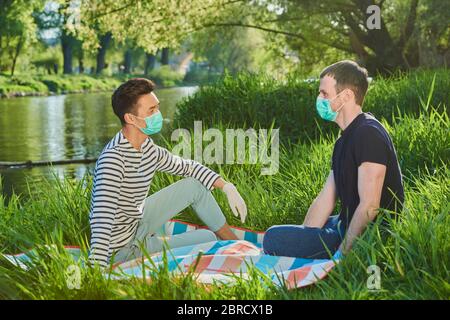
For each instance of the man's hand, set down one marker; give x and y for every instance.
(235, 201)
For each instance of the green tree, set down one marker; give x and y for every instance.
(309, 26)
(309, 29)
(55, 16)
(151, 24)
(227, 48)
(18, 30)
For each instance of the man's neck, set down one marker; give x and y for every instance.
(347, 115)
(134, 136)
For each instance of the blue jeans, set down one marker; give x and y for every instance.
(304, 242)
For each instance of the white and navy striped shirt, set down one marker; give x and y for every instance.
(122, 179)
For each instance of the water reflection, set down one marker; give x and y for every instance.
(75, 126)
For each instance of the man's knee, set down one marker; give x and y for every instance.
(288, 240)
(271, 239)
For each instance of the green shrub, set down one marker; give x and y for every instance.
(43, 84)
(75, 83)
(422, 142)
(406, 92)
(15, 85)
(251, 100)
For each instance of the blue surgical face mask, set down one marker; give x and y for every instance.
(323, 107)
(153, 123)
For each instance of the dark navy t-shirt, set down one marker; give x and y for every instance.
(365, 140)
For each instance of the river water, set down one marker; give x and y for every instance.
(73, 126)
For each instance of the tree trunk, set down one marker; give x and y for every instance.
(388, 54)
(165, 56)
(150, 60)
(67, 40)
(67, 49)
(101, 53)
(16, 54)
(127, 62)
(81, 61)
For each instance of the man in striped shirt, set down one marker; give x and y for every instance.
(124, 221)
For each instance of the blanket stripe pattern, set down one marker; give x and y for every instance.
(216, 261)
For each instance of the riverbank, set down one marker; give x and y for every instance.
(47, 85)
(43, 85)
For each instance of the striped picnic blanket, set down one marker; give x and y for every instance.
(217, 261)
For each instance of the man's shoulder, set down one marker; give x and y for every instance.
(111, 152)
(369, 125)
(112, 148)
(370, 132)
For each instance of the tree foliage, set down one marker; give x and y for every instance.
(18, 29)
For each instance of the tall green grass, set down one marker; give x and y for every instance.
(422, 144)
(249, 100)
(413, 259)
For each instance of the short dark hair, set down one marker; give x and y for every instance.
(348, 75)
(126, 95)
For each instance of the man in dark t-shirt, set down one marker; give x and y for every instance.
(365, 175)
(365, 140)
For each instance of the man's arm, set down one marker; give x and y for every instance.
(171, 163)
(370, 184)
(323, 205)
(168, 162)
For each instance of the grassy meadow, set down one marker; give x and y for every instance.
(414, 256)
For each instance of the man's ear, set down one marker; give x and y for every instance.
(128, 118)
(349, 95)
